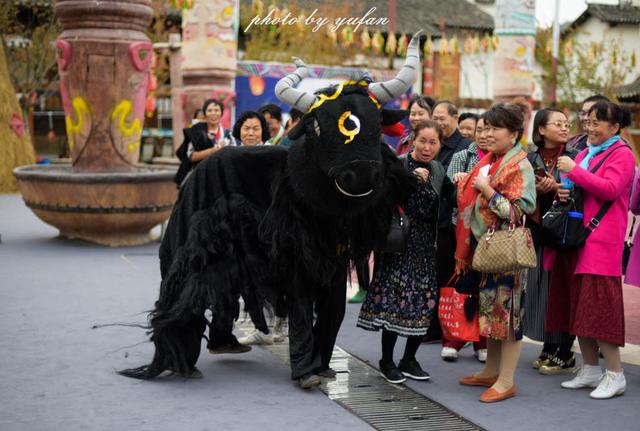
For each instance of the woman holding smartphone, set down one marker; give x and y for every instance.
(550, 133)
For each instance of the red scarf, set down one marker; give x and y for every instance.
(508, 182)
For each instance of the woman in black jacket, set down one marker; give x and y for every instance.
(202, 139)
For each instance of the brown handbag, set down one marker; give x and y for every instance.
(505, 250)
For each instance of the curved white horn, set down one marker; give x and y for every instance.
(388, 90)
(286, 92)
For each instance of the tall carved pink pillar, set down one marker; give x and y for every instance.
(209, 49)
(103, 59)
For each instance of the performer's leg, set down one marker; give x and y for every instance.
(331, 309)
(221, 338)
(301, 351)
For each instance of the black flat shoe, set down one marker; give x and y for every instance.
(413, 370)
(391, 373)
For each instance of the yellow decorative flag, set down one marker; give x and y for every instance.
(454, 46)
(377, 42)
(392, 43)
(428, 47)
(468, 45)
(258, 7)
(494, 42)
(347, 36)
(444, 46)
(633, 59)
(614, 55)
(402, 45)
(365, 41)
(476, 44)
(332, 35)
(485, 43)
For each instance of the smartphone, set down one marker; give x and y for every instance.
(540, 172)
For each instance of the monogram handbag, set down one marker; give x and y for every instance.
(398, 233)
(505, 250)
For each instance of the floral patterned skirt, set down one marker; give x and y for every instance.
(502, 305)
(402, 295)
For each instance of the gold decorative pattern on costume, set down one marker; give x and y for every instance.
(350, 134)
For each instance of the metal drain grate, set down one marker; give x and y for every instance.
(359, 388)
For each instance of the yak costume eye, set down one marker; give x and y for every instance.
(316, 127)
(350, 134)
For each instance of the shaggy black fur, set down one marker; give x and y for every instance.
(257, 223)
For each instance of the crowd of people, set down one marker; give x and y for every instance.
(476, 175)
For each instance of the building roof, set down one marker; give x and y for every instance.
(628, 92)
(625, 13)
(412, 15)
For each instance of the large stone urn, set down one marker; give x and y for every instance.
(104, 196)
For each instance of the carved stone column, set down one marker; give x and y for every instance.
(209, 49)
(103, 59)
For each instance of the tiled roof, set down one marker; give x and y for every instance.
(411, 15)
(625, 13)
(628, 91)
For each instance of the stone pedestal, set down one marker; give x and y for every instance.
(104, 196)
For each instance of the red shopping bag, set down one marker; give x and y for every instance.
(456, 323)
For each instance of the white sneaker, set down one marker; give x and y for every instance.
(449, 354)
(481, 355)
(280, 330)
(256, 338)
(612, 384)
(588, 376)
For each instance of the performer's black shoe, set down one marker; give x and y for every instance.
(308, 381)
(193, 374)
(412, 369)
(229, 348)
(327, 373)
(391, 373)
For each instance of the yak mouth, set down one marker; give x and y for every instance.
(351, 195)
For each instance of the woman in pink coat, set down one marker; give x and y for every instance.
(592, 275)
(633, 268)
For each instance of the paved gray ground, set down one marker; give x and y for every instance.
(541, 404)
(57, 373)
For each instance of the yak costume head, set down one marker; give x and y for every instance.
(340, 164)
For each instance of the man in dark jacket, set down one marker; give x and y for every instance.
(445, 114)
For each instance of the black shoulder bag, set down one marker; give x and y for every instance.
(563, 227)
(398, 235)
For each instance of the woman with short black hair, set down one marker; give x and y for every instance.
(202, 139)
(251, 129)
(496, 194)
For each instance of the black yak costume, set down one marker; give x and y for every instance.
(260, 223)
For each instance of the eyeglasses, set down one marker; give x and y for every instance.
(561, 124)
